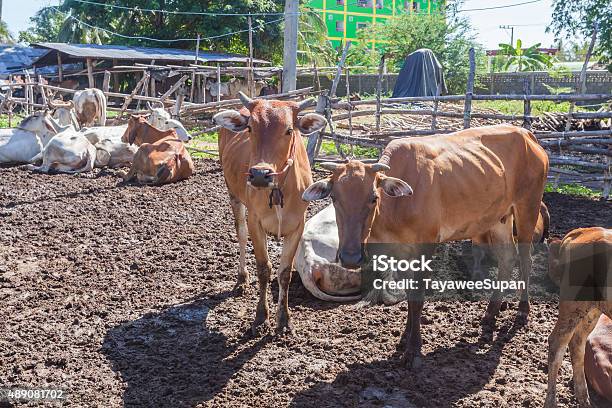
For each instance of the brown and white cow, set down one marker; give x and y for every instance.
(161, 157)
(90, 107)
(438, 189)
(583, 253)
(266, 170)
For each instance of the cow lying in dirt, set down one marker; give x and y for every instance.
(466, 184)
(584, 253)
(67, 152)
(111, 151)
(316, 259)
(161, 157)
(24, 143)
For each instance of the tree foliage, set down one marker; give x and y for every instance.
(578, 17)
(52, 25)
(528, 59)
(449, 38)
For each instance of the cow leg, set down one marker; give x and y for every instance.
(577, 349)
(290, 244)
(264, 269)
(478, 255)
(239, 211)
(526, 220)
(557, 343)
(502, 246)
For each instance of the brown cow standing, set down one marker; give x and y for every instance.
(465, 184)
(581, 251)
(266, 170)
(161, 157)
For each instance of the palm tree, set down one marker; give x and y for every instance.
(313, 45)
(72, 31)
(528, 59)
(5, 35)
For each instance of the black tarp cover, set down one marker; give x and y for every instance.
(420, 75)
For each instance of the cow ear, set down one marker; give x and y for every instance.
(394, 187)
(231, 120)
(310, 123)
(318, 190)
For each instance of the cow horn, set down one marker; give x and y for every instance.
(246, 101)
(380, 167)
(307, 103)
(331, 166)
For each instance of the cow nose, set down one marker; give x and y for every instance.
(351, 259)
(260, 177)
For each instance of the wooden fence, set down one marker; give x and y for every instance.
(575, 156)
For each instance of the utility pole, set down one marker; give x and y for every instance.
(290, 45)
(511, 28)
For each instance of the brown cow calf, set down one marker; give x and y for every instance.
(570, 259)
(161, 157)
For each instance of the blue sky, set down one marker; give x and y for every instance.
(531, 18)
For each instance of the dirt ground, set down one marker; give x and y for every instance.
(122, 296)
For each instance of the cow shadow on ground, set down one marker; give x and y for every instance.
(172, 358)
(446, 375)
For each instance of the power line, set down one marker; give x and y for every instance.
(499, 7)
(191, 13)
(156, 39)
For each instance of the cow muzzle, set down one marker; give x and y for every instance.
(260, 177)
(351, 259)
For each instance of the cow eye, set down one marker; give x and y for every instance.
(289, 131)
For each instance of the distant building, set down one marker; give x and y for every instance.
(344, 18)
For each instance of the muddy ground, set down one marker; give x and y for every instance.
(122, 295)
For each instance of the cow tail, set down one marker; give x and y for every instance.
(102, 106)
(546, 225)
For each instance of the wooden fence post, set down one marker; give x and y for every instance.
(381, 66)
(180, 96)
(106, 82)
(313, 138)
(434, 116)
(527, 104)
(92, 82)
(41, 88)
(129, 98)
(467, 109)
(350, 109)
(334, 86)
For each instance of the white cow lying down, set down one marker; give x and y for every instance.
(77, 152)
(67, 152)
(23, 144)
(315, 261)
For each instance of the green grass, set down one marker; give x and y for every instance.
(4, 122)
(516, 107)
(573, 189)
(329, 148)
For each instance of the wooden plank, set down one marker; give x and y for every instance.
(381, 66)
(131, 96)
(106, 82)
(92, 82)
(467, 109)
(527, 105)
(173, 88)
(336, 80)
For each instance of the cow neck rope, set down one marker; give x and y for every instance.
(276, 195)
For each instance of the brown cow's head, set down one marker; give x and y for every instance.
(274, 130)
(132, 134)
(355, 189)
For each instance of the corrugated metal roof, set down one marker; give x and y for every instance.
(14, 58)
(124, 52)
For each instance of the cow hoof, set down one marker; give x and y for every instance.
(285, 330)
(259, 329)
(412, 360)
(241, 288)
